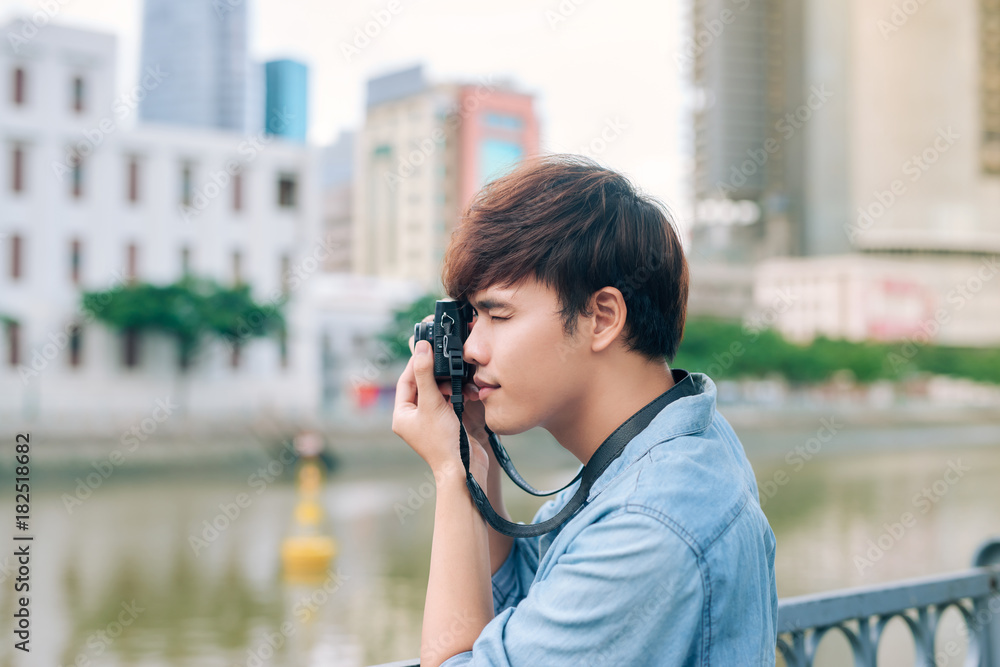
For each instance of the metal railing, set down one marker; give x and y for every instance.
(862, 614)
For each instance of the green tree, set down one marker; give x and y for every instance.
(397, 334)
(191, 310)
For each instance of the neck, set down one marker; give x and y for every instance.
(619, 391)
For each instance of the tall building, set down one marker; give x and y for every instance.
(746, 68)
(424, 151)
(202, 48)
(840, 144)
(286, 96)
(337, 184)
(89, 205)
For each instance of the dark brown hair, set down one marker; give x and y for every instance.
(576, 227)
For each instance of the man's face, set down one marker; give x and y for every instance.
(517, 343)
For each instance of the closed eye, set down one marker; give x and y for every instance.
(494, 317)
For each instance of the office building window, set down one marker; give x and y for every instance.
(286, 270)
(133, 179)
(78, 94)
(238, 192)
(287, 186)
(13, 343)
(130, 348)
(17, 168)
(15, 256)
(75, 259)
(187, 184)
(185, 261)
(132, 262)
(989, 85)
(75, 345)
(76, 177)
(18, 92)
(283, 347)
(237, 268)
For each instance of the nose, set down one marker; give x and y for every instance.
(475, 350)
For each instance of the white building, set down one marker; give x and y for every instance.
(359, 371)
(947, 300)
(87, 203)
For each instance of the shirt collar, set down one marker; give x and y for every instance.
(691, 413)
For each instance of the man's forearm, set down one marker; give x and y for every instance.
(459, 595)
(500, 545)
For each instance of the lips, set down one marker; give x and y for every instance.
(483, 384)
(485, 388)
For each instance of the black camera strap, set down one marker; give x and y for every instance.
(503, 458)
(609, 450)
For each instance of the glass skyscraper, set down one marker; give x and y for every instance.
(286, 99)
(202, 49)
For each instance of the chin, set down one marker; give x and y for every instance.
(504, 427)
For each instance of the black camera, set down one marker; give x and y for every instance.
(447, 334)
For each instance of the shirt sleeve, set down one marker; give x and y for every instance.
(627, 591)
(512, 581)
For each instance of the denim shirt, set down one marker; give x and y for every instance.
(670, 561)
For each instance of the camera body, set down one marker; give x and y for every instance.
(447, 335)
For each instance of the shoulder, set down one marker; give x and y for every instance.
(699, 485)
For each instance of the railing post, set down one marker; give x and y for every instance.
(987, 609)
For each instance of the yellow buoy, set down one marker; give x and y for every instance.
(306, 553)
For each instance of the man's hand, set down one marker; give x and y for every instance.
(474, 414)
(426, 420)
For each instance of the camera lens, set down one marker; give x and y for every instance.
(423, 331)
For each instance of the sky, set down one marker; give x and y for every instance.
(605, 75)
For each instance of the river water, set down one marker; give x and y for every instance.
(134, 574)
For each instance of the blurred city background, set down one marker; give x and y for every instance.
(219, 220)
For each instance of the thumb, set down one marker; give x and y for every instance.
(423, 369)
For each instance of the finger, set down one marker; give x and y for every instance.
(406, 388)
(423, 369)
(469, 391)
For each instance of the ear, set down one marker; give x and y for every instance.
(609, 313)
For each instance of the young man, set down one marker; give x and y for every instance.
(580, 289)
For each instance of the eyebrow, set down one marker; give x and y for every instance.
(489, 304)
